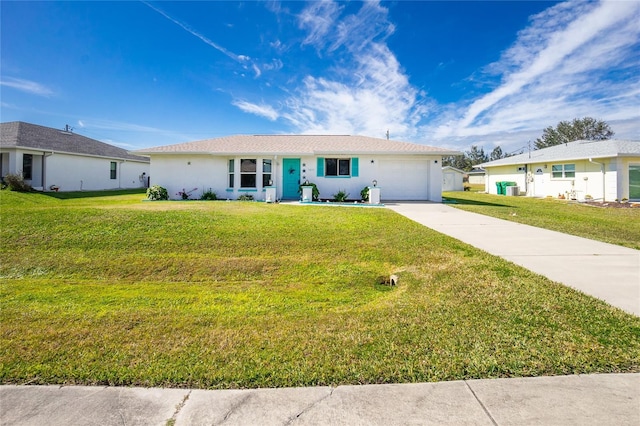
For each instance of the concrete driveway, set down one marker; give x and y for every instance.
(606, 271)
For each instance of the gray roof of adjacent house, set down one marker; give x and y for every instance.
(578, 150)
(454, 169)
(297, 145)
(18, 134)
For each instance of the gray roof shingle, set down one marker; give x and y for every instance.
(578, 150)
(18, 134)
(297, 145)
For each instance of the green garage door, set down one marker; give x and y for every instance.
(634, 182)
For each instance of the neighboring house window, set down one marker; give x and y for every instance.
(27, 166)
(231, 174)
(114, 170)
(248, 173)
(337, 167)
(559, 171)
(266, 172)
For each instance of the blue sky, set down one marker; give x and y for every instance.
(450, 74)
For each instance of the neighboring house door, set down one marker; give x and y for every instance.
(634, 182)
(290, 178)
(538, 182)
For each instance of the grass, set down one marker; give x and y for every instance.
(619, 226)
(113, 290)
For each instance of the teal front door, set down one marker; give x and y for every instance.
(290, 178)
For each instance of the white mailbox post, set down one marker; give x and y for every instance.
(307, 194)
(270, 194)
(374, 195)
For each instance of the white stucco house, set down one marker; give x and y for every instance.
(249, 164)
(452, 179)
(51, 159)
(605, 170)
(476, 176)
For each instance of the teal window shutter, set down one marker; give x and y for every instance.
(320, 167)
(354, 167)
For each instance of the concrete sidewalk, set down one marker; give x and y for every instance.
(606, 271)
(607, 399)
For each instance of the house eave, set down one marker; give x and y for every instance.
(79, 154)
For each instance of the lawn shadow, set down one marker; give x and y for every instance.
(93, 194)
(462, 201)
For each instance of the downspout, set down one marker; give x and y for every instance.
(603, 177)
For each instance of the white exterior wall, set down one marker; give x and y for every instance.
(452, 181)
(398, 177)
(186, 172)
(588, 180)
(75, 172)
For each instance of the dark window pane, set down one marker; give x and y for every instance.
(266, 177)
(344, 168)
(27, 166)
(231, 179)
(231, 165)
(247, 181)
(114, 170)
(266, 166)
(331, 167)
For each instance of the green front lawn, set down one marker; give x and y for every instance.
(114, 290)
(619, 226)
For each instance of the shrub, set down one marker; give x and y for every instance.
(340, 196)
(245, 197)
(209, 195)
(184, 194)
(364, 194)
(15, 182)
(157, 193)
(315, 192)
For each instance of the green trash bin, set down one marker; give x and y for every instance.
(500, 186)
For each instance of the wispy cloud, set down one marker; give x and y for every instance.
(187, 28)
(27, 86)
(571, 61)
(262, 110)
(367, 91)
(318, 19)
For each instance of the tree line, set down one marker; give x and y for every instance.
(586, 128)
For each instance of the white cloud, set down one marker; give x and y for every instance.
(318, 19)
(265, 111)
(572, 61)
(367, 91)
(27, 86)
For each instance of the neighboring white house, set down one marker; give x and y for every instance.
(452, 179)
(476, 176)
(243, 164)
(608, 170)
(51, 159)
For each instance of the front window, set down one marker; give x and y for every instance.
(337, 166)
(560, 171)
(27, 166)
(266, 173)
(114, 170)
(231, 172)
(248, 173)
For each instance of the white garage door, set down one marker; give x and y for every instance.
(404, 179)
